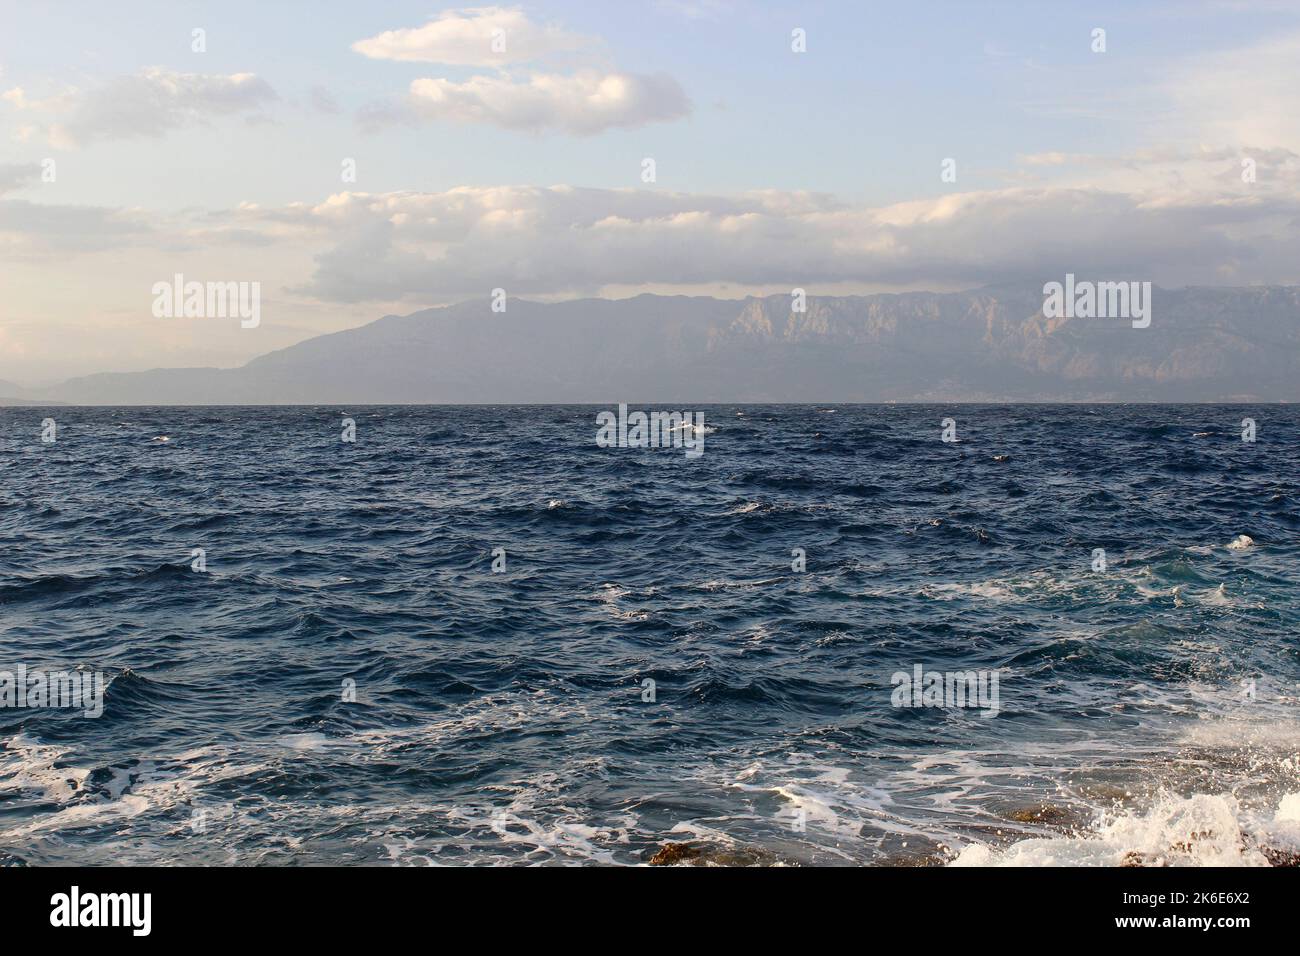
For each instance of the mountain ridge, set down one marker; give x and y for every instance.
(1205, 343)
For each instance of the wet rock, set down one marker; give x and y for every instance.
(1106, 791)
(671, 854)
(1189, 845)
(1047, 814)
(926, 859)
(1280, 857)
(914, 850)
(683, 854)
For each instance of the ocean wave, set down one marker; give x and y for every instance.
(1199, 830)
(504, 718)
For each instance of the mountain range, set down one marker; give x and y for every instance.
(1204, 344)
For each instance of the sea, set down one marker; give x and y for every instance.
(474, 635)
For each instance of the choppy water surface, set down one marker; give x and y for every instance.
(499, 716)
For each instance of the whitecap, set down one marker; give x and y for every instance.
(1197, 830)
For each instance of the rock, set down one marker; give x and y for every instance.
(1105, 791)
(1280, 857)
(671, 854)
(683, 854)
(1189, 845)
(1045, 813)
(929, 859)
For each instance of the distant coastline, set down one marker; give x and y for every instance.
(992, 345)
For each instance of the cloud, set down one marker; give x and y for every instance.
(323, 101)
(1240, 96)
(34, 230)
(583, 104)
(430, 247)
(480, 36)
(145, 105)
(1171, 171)
(17, 175)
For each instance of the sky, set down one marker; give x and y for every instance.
(358, 160)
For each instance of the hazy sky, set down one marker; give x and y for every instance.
(522, 167)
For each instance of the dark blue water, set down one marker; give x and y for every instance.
(499, 717)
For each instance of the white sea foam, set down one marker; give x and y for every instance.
(145, 802)
(28, 764)
(1197, 830)
(305, 741)
(610, 597)
(693, 429)
(989, 590)
(723, 585)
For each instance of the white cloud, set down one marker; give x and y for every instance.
(437, 247)
(465, 38)
(585, 103)
(430, 247)
(148, 104)
(31, 231)
(323, 101)
(17, 175)
(1170, 171)
(1244, 96)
